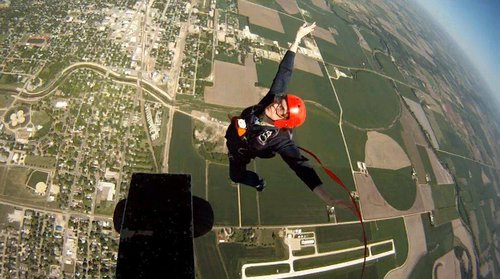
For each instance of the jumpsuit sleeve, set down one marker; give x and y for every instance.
(281, 79)
(298, 163)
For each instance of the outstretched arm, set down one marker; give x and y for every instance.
(301, 33)
(285, 69)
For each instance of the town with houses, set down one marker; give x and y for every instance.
(52, 140)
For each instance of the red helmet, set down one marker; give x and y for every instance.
(296, 113)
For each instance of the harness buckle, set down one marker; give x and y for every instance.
(241, 127)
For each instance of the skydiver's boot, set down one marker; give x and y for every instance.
(261, 186)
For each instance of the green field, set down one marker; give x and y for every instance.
(50, 70)
(183, 157)
(427, 163)
(222, 196)
(468, 177)
(10, 79)
(207, 259)
(356, 142)
(224, 4)
(451, 140)
(249, 197)
(483, 230)
(43, 119)
(372, 39)
(37, 176)
(304, 251)
(340, 237)
(159, 144)
(368, 100)
(444, 202)
(46, 162)
(286, 200)
(105, 208)
(407, 92)
(5, 101)
(389, 68)
(321, 135)
(340, 11)
(347, 51)
(385, 230)
(379, 249)
(396, 186)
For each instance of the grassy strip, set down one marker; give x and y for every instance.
(267, 270)
(379, 249)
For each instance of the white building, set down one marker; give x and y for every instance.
(107, 190)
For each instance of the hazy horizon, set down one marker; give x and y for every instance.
(474, 25)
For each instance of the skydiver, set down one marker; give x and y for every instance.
(266, 128)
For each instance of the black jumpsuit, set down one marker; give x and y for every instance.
(265, 141)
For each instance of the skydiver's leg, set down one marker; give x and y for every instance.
(238, 171)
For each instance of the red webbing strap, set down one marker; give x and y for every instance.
(335, 178)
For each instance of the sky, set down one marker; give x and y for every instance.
(475, 26)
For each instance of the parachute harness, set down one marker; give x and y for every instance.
(336, 179)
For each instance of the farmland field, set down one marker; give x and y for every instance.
(347, 52)
(388, 67)
(369, 101)
(208, 262)
(222, 196)
(183, 157)
(340, 237)
(396, 186)
(373, 40)
(267, 270)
